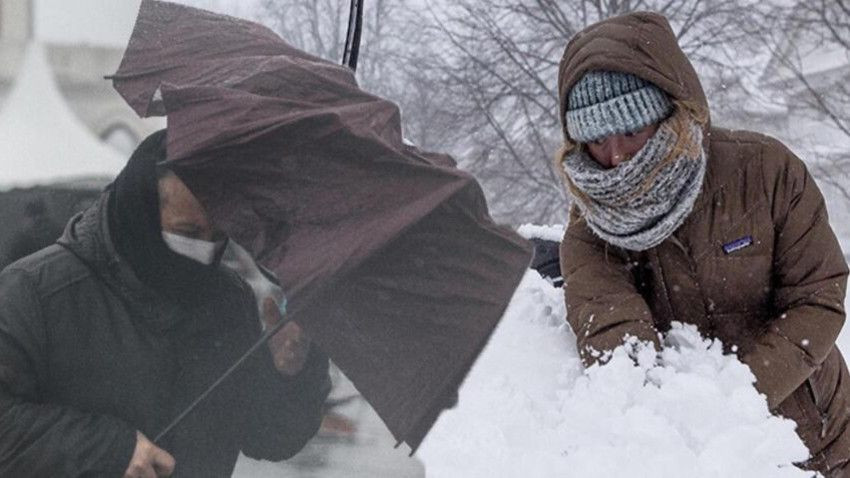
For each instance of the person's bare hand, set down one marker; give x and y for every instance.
(149, 461)
(290, 345)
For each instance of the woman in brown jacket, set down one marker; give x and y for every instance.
(676, 220)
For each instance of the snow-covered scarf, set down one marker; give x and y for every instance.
(642, 201)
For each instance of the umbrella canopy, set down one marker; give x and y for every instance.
(42, 141)
(387, 254)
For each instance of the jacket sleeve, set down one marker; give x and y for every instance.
(39, 438)
(603, 303)
(290, 409)
(810, 277)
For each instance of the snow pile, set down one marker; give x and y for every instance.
(528, 409)
(549, 233)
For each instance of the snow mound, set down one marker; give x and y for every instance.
(549, 233)
(529, 409)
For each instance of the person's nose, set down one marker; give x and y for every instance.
(617, 151)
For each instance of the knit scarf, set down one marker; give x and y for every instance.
(642, 201)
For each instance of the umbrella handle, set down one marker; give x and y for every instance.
(264, 338)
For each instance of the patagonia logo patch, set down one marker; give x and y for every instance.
(738, 244)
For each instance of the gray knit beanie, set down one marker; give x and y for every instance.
(603, 103)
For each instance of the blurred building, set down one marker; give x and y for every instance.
(57, 116)
(78, 71)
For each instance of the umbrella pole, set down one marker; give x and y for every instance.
(352, 37)
(267, 334)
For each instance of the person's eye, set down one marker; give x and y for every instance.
(629, 134)
(598, 142)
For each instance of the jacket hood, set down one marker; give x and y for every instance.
(642, 44)
(87, 236)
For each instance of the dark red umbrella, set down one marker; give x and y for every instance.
(387, 254)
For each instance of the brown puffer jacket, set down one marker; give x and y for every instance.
(777, 302)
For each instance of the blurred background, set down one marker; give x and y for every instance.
(473, 78)
(477, 79)
(64, 133)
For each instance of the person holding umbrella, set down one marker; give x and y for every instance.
(106, 336)
(677, 220)
(142, 321)
(386, 253)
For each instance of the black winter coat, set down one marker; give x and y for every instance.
(89, 355)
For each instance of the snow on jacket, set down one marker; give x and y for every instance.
(756, 263)
(89, 355)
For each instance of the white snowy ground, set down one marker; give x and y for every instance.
(528, 409)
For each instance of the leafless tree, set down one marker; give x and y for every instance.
(315, 26)
(812, 90)
(393, 42)
(478, 79)
(500, 63)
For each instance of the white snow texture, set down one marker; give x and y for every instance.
(529, 409)
(549, 233)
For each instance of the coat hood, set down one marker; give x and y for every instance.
(87, 236)
(642, 44)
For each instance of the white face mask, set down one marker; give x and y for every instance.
(198, 250)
